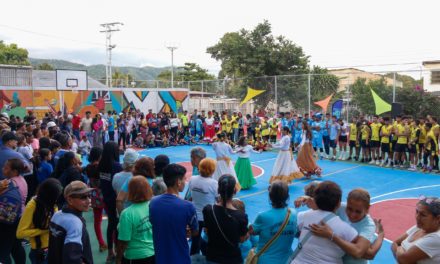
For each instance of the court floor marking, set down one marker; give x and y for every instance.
(299, 181)
(405, 190)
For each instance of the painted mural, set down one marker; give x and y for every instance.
(18, 102)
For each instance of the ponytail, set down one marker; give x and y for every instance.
(226, 187)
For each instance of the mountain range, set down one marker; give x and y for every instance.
(98, 71)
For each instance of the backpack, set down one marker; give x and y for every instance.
(10, 204)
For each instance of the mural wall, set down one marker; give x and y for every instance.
(18, 102)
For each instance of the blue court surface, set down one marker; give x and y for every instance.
(384, 185)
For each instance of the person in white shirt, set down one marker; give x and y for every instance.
(86, 125)
(209, 128)
(421, 243)
(317, 249)
(285, 168)
(222, 151)
(84, 146)
(203, 191)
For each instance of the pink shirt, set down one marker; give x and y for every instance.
(20, 182)
(35, 144)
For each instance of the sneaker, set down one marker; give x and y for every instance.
(378, 162)
(349, 158)
(412, 168)
(341, 158)
(382, 163)
(371, 162)
(388, 165)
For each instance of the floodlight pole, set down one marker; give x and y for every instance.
(172, 48)
(108, 29)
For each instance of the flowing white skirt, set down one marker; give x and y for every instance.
(285, 168)
(222, 169)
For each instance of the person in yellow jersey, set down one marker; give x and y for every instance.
(402, 133)
(394, 138)
(413, 145)
(385, 134)
(375, 140)
(436, 132)
(354, 142)
(235, 126)
(257, 130)
(365, 141)
(265, 128)
(273, 130)
(422, 141)
(229, 122)
(431, 148)
(223, 124)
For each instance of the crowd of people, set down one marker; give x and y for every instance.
(45, 189)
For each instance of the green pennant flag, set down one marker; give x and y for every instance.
(381, 105)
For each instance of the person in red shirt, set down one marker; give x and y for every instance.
(76, 121)
(150, 114)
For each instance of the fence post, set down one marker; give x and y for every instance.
(394, 87)
(309, 96)
(276, 95)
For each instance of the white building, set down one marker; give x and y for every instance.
(431, 76)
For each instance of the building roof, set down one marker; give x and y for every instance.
(431, 62)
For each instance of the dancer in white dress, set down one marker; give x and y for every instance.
(285, 168)
(224, 164)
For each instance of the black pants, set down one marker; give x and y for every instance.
(10, 245)
(111, 135)
(326, 140)
(122, 137)
(112, 231)
(197, 242)
(149, 260)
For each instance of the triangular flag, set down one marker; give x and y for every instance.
(251, 93)
(324, 103)
(381, 105)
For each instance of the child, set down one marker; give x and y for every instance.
(24, 148)
(261, 145)
(243, 167)
(44, 168)
(84, 146)
(139, 141)
(247, 245)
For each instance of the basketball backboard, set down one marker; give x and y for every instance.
(71, 80)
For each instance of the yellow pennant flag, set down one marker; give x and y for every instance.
(251, 93)
(381, 105)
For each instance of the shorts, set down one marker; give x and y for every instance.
(385, 147)
(421, 147)
(317, 142)
(401, 148)
(353, 144)
(364, 144)
(343, 139)
(393, 145)
(412, 148)
(374, 144)
(297, 138)
(332, 143)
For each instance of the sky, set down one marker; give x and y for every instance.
(375, 34)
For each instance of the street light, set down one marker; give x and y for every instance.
(172, 48)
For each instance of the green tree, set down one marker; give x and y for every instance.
(45, 67)
(13, 55)
(252, 57)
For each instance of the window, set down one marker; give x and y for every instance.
(435, 77)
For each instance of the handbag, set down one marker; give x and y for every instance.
(252, 257)
(306, 238)
(10, 204)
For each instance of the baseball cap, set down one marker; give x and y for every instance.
(8, 136)
(76, 188)
(130, 156)
(51, 124)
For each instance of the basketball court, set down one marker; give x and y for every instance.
(394, 192)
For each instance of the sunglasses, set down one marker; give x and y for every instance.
(82, 197)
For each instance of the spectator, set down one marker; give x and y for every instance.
(135, 230)
(170, 217)
(9, 140)
(42, 165)
(268, 223)
(130, 157)
(197, 154)
(421, 243)
(9, 244)
(108, 166)
(34, 224)
(97, 199)
(203, 191)
(160, 162)
(315, 249)
(226, 226)
(69, 240)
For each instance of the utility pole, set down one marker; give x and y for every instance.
(109, 28)
(172, 48)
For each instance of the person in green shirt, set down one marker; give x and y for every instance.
(135, 231)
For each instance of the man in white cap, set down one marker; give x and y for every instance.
(69, 240)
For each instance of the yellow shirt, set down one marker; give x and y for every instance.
(375, 129)
(413, 136)
(422, 137)
(353, 132)
(365, 131)
(433, 144)
(401, 139)
(386, 130)
(223, 122)
(264, 128)
(229, 126)
(257, 131)
(273, 128)
(235, 122)
(26, 228)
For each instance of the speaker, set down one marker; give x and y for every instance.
(396, 109)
